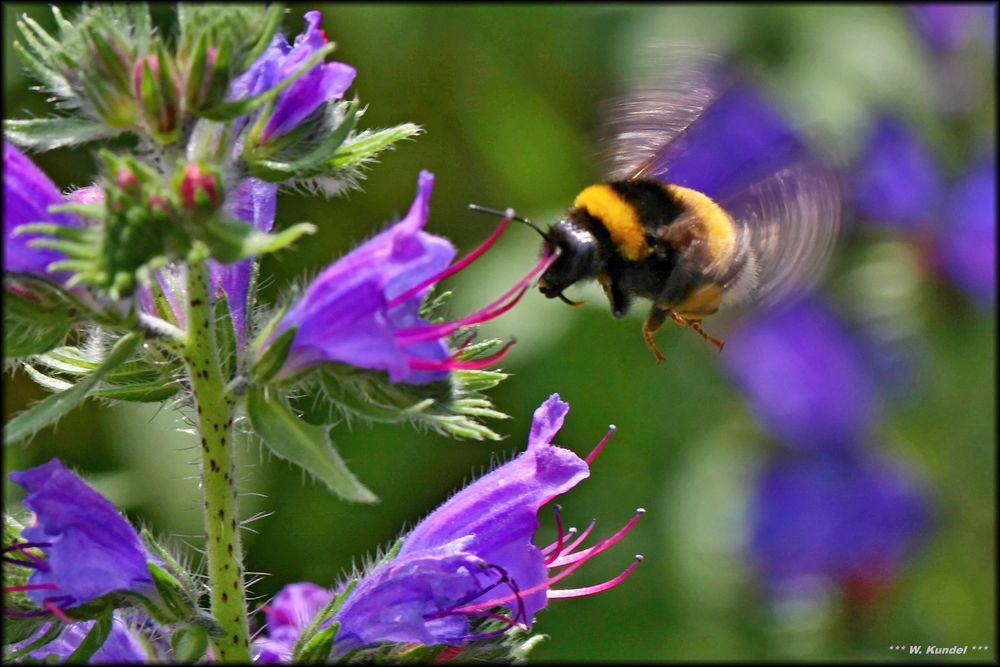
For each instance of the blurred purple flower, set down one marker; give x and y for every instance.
(121, 648)
(895, 179)
(947, 27)
(740, 139)
(805, 377)
(323, 83)
(967, 233)
(475, 554)
(27, 195)
(364, 309)
(847, 521)
(90, 549)
(288, 615)
(253, 201)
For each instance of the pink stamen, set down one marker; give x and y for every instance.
(571, 547)
(489, 312)
(547, 550)
(57, 612)
(561, 534)
(597, 450)
(26, 545)
(598, 588)
(601, 546)
(34, 562)
(454, 268)
(454, 364)
(29, 587)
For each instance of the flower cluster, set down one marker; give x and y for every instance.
(828, 509)
(468, 572)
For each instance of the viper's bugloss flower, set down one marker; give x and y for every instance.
(364, 309)
(895, 180)
(27, 195)
(967, 233)
(291, 611)
(805, 377)
(847, 521)
(90, 549)
(254, 201)
(122, 646)
(324, 83)
(475, 554)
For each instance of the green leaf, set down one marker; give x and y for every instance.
(53, 407)
(46, 134)
(55, 629)
(308, 446)
(231, 240)
(361, 148)
(93, 641)
(274, 356)
(35, 320)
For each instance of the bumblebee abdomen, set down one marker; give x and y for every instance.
(713, 226)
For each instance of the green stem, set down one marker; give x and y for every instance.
(218, 473)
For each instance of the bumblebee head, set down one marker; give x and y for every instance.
(578, 257)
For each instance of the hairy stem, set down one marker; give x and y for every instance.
(218, 473)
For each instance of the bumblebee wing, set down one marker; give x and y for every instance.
(787, 225)
(693, 121)
(669, 93)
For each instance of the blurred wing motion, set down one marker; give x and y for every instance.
(790, 222)
(692, 121)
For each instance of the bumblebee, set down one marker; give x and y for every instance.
(711, 199)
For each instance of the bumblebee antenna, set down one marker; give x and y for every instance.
(509, 213)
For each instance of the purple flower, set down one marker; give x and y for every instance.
(475, 554)
(947, 27)
(967, 234)
(895, 180)
(253, 201)
(848, 521)
(323, 83)
(121, 648)
(27, 195)
(805, 377)
(90, 549)
(291, 611)
(364, 309)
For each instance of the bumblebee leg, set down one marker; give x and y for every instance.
(653, 322)
(711, 339)
(696, 325)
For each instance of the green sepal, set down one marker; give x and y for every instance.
(50, 409)
(325, 614)
(269, 26)
(230, 240)
(317, 649)
(171, 592)
(309, 447)
(189, 644)
(46, 134)
(269, 363)
(93, 641)
(36, 319)
(50, 635)
(263, 163)
(234, 109)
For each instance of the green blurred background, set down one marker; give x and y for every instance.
(507, 95)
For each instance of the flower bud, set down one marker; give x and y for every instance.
(157, 88)
(199, 187)
(107, 83)
(206, 77)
